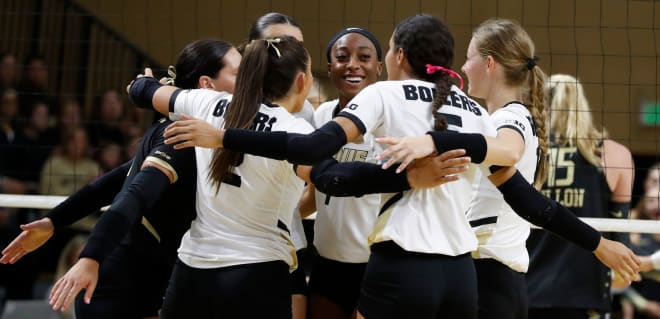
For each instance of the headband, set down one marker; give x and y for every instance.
(361, 31)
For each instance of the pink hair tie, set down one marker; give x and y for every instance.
(430, 69)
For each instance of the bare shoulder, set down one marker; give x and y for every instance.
(619, 169)
(616, 154)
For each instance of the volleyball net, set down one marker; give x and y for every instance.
(601, 224)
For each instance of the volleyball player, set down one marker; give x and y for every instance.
(132, 278)
(270, 25)
(592, 175)
(411, 235)
(342, 224)
(501, 69)
(235, 259)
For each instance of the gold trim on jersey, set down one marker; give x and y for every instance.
(164, 165)
(150, 228)
(292, 252)
(482, 237)
(376, 235)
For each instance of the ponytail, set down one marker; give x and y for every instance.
(536, 105)
(245, 104)
(267, 72)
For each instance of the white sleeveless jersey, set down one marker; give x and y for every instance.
(423, 220)
(502, 233)
(343, 223)
(246, 222)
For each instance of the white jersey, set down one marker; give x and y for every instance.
(247, 221)
(422, 220)
(343, 223)
(502, 233)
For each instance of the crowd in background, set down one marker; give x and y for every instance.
(53, 145)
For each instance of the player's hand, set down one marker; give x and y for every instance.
(191, 132)
(147, 72)
(33, 236)
(436, 170)
(83, 275)
(405, 150)
(618, 282)
(619, 258)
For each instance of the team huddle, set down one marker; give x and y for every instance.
(423, 197)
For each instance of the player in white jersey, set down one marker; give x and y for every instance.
(501, 69)
(235, 259)
(342, 224)
(270, 25)
(420, 264)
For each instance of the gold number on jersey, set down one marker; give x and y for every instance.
(561, 158)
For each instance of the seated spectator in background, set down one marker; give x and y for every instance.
(8, 112)
(8, 78)
(644, 296)
(17, 282)
(10, 152)
(69, 169)
(35, 143)
(651, 181)
(34, 84)
(106, 116)
(68, 117)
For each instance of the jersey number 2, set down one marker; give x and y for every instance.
(233, 178)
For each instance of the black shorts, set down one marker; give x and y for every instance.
(403, 284)
(299, 278)
(338, 281)
(502, 290)
(132, 281)
(260, 290)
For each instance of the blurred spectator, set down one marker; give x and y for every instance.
(66, 171)
(17, 281)
(35, 143)
(70, 169)
(644, 296)
(68, 117)
(10, 153)
(104, 126)
(34, 84)
(8, 78)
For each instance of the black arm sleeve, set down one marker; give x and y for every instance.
(356, 178)
(142, 92)
(541, 211)
(474, 144)
(126, 210)
(90, 198)
(306, 149)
